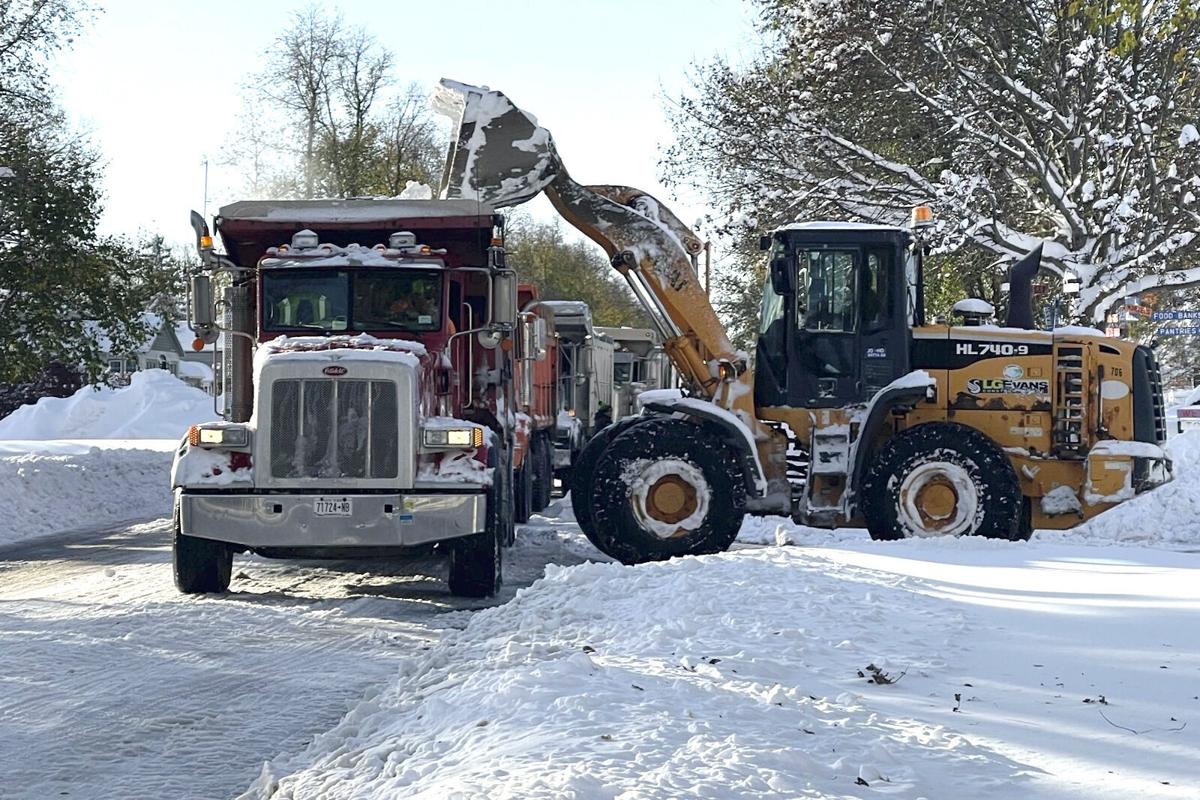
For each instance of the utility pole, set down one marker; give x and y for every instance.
(204, 161)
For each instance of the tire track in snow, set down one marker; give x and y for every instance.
(113, 685)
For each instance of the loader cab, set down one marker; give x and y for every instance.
(838, 305)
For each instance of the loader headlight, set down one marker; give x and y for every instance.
(454, 437)
(201, 436)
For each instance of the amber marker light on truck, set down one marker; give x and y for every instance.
(200, 436)
(453, 437)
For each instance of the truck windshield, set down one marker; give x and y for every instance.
(357, 300)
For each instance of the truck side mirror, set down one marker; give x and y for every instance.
(202, 309)
(504, 298)
(540, 351)
(781, 277)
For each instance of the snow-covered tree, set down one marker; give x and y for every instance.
(57, 275)
(1063, 122)
(347, 131)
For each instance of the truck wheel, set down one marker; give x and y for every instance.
(542, 477)
(476, 561)
(200, 565)
(942, 479)
(661, 488)
(523, 489)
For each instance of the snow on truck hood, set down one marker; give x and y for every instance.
(339, 348)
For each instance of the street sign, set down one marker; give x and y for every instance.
(1184, 330)
(1159, 316)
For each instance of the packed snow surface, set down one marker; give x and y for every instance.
(155, 405)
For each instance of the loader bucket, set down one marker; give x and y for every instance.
(498, 154)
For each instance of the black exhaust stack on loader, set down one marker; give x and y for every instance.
(1020, 290)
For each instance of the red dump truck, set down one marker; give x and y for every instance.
(388, 385)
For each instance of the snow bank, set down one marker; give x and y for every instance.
(155, 405)
(724, 676)
(1168, 515)
(47, 493)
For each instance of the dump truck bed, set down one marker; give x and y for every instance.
(247, 228)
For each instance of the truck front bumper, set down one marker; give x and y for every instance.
(290, 520)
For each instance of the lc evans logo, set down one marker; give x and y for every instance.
(335, 370)
(1013, 382)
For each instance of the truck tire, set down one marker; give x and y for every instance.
(942, 479)
(547, 470)
(477, 561)
(201, 566)
(523, 489)
(660, 489)
(542, 477)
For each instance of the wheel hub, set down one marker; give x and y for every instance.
(937, 499)
(669, 497)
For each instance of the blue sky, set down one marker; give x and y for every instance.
(157, 83)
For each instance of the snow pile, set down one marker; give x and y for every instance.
(415, 190)
(727, 676)
(89, 488)
(155, 405)
(1168, 515)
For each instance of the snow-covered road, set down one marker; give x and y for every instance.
(112, 685)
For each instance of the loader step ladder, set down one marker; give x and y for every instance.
(1070, 402)
(829, 463)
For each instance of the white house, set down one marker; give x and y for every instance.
(159, 350)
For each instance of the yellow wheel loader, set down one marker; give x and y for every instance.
(857, 412)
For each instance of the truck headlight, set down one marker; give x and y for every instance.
(454, 437)
(201, 436)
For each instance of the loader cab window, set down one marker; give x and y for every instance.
(877, 289)
(829, 279)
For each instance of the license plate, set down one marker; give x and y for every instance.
(332, 506)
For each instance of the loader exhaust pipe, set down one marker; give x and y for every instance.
(1020, 290)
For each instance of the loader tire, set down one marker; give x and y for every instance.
(201, 566)
(580, 485)
(661, 488)
(942, 479)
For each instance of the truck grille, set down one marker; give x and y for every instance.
(333, 429)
